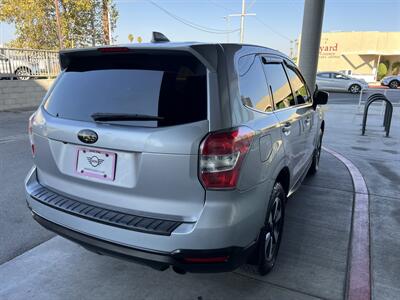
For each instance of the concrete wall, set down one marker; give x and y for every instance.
(16, 94)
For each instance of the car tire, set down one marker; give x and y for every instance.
(394, 84)
(354, 88)
(271, 233)
(317, 155)
(23, 73)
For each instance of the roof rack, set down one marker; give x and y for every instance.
(158, 37)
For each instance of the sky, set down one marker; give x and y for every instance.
(275, 24)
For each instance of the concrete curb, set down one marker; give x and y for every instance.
(358, 285)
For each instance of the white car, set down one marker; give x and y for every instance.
(392, 82)
(335, 81)
(18, 68)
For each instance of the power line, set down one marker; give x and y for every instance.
(221, 6)
(272, 29)
(191, 24)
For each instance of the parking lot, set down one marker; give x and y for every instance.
(313, 262)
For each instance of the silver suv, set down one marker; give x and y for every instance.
(174, 154)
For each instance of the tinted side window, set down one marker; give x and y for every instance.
(339, 76)
(299, 88)
(253, 86)
(279, 85)
(323, 75)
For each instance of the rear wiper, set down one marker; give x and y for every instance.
(104, 117)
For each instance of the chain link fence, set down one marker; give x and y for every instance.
(24, 64)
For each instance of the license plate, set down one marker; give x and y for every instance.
(96, 164)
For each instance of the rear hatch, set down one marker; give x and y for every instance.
(149, 114)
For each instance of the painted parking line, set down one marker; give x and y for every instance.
(13, 138)
(358, 286)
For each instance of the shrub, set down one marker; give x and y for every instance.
(382, 70)
(396, 68)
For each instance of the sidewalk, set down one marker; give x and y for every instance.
(378, 159)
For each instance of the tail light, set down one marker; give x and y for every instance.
(221, 156)
(30, 133)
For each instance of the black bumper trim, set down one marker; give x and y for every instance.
(157, 260)
(102, 215)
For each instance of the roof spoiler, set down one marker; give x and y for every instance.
(158, 37)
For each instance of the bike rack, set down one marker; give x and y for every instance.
(387, 119)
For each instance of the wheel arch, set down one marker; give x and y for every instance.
(23, 68)
(284, 179)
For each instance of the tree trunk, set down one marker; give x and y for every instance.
(106, 28)
(59, 32)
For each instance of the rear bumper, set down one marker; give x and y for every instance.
(219, 232)
(228, 258)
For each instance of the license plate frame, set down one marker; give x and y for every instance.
(88, 160)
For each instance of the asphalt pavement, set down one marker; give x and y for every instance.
(18, 232)
(312, 263)
(343, 98)
(313, 260)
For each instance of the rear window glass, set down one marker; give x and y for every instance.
(170, 86)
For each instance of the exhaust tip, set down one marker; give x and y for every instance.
(178, 270)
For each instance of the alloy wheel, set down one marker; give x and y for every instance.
(394, 84)
(22, 74)
(274, 229)
(318, 154)
(354, 89)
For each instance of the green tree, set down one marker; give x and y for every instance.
(36, 26)
(130, 37)
(139, 39)
(382, 70)
(396, 68)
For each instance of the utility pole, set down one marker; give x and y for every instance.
(291, 49)
(242, 15)
(60, 38)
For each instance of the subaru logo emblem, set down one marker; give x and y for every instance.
(87, 136)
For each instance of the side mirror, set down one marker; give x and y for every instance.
(320, 98)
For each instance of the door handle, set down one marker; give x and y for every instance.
(307, 121)
(286, 128)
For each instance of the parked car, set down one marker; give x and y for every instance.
(392, 81)
(174, 154)
(18, 68)
(335, 81)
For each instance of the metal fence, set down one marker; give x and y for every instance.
(24, 64)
